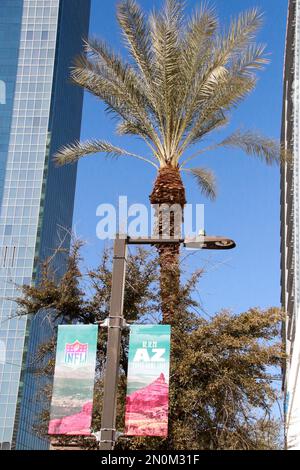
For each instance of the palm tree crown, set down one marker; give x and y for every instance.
(182, 79)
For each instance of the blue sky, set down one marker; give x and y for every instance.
(247, 207)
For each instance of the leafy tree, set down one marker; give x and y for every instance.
(183, 78)
(221, 385)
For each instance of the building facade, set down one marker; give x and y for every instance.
(290, 228)
(40, 110)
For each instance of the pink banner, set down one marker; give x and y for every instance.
(72, 397)
(148, 381)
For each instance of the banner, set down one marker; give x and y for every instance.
(72, 397)
(148, 381)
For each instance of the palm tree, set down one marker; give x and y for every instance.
(183, 78)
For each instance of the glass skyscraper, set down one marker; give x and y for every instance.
(40, 110)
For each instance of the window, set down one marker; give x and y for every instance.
(45, 35)
(29, 35)
(8, 230)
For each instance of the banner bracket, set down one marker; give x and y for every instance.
(107, 322)
(114, 435)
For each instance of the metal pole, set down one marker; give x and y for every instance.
(107, 435)
(115, 324)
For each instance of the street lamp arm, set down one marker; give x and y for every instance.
(201, 242)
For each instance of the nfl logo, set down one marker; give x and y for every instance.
(76, 353)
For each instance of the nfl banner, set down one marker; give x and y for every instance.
(72, 397)
(148, 381)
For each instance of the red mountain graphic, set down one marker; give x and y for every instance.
(153, 395)
(76, 424)
(147, 409)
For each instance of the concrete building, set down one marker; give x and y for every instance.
(290, 228)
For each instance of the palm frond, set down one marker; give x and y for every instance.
(183, 78)
(137, 35)
(120, 91)
(97, 81)
(122, 73)
(196, 49)
(173, 13)
(73, 152)
(136, 129)
(241, 32)
(206, 181)
(199, 30)
(131, 128)
(215, 79)
(252, 59)
(204, 126)
(227, 95)
(226, 58)
(254, 144)
(231, 83)
(232, 45)
(112, 64)
(166, 29)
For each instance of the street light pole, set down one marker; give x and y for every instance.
(115, 325)
(116, 321)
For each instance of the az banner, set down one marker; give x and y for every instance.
(72, 398)
(148, 381)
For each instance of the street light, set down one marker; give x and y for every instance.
(209, 243)
(116, 322)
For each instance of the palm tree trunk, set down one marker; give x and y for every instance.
(168, 196)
